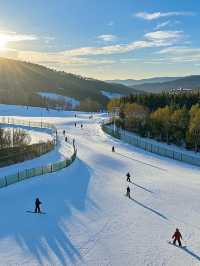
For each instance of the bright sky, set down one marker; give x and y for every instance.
(107, 39)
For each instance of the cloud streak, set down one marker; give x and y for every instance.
(10, 36)
(163, 24)
(107, 37)
(91, 55)
(157, 15)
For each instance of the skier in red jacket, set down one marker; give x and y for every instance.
(177, 237)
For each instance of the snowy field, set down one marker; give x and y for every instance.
(88, 219)
(36, 135)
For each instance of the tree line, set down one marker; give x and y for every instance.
(174, 119)
(14, 137)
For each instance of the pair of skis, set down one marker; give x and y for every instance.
(171, 243)
(36, 212)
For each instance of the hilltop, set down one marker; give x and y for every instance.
(23, 82)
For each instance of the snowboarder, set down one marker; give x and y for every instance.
(63, 132)
(113, 149)
(37, 205)
(128, 177)
(177, 237)
(128, 191)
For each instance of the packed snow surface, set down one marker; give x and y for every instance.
(111, 95)
(89, 221)
(55, 96)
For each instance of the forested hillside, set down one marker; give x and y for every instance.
(172, 118)
(20, 83)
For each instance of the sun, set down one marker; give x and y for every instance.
(3, 42)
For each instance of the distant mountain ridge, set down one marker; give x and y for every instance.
(189, 82)
(132, 82)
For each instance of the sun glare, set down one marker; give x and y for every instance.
(3, 42)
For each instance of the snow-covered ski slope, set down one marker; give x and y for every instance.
(88, 219)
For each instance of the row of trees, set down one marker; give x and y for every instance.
(154, 101)
(171, 124)
(13, 138)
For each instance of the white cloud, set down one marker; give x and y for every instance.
(180, 54)
(157, 15)
(163, 24)
(165, 38)
(86, 55)
(151, 39)
(107, 37)
(10, 36)
(48, 39)
(58, 58)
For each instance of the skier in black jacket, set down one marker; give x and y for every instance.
(128, 191)
(37, 205)
(128, 177)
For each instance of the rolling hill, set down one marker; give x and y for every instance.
(133, 82)
(189, 82)
(22, 83)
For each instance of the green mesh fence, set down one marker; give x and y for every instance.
(28, 173)
(151, 147)
(42, 170)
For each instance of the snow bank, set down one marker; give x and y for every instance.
(54, 96)
(111, 95)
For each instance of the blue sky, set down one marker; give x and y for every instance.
(104, 39)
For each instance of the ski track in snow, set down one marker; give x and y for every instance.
(89, 221)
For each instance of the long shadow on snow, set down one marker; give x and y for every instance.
(139, 161)
(139, 186)
(150, 209)
(46, 236)
(189, 252)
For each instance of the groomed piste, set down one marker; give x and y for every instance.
(89, 220)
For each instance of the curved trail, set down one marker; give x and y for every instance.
(89, 221)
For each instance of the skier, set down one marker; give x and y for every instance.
(37, 205)
(81, 126)
(177, 237)
(63, 132)
(128, 191)
(75, 115)
(113, 149)
(128, 177)
(75, 124)
(66, 139)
